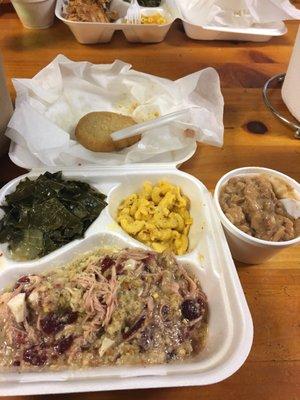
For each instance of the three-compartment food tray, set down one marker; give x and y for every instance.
(97, 32)
(230, 331)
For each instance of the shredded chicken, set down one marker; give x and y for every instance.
(89, 11)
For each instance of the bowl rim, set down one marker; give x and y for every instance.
(229, 225)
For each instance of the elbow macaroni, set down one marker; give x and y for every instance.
(157, 18)
(158, 216)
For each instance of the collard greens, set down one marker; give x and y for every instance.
(44, 214)
(148, 3)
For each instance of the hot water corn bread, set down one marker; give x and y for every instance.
(157, 216)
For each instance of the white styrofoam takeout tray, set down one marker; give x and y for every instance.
(97, 32)
(230, 330)
(255, 33)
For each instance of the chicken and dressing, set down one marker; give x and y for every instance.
(110, 307)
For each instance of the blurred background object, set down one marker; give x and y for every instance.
(290, 82)
(35, 14)
(6, 110)
(291, 86)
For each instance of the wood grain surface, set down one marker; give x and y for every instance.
(272, 289)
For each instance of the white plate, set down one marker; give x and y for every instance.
(230, 326)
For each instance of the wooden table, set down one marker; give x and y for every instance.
(272, 289)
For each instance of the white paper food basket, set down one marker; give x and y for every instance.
(230, 330)
(96, 32)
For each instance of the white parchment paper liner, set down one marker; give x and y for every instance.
(49, 105)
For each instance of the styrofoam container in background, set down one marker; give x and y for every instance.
(230, 330)
(246, 248)
(97, 32)
(35, 14)
(255, 33)
(148, 33)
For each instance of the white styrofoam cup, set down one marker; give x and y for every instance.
(35, 14)
(291, 85)
(246, 248)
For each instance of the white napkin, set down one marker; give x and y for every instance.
(264, 11)
(237, 13)
(49, 105)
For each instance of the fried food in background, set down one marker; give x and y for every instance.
(94, 129)
(90, 11)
